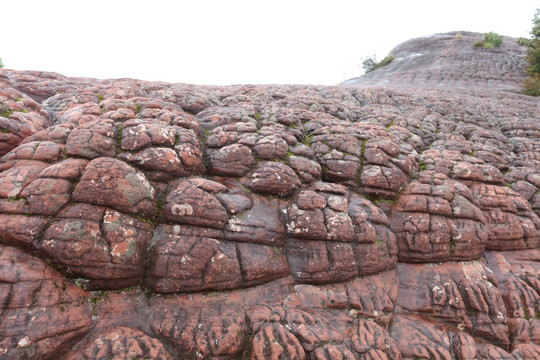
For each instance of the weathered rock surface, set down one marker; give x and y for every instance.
(171, 221)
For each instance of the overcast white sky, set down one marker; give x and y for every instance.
(232, 41)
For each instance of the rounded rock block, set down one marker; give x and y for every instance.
(103, 246)
(20, 117)
(223, 115)
(232, 160)
(95, 138)
(434, 219)
(193, 202)
(370, 296)
(336, 235)
(111, 182)
(272, 178)
(365, 154)
(510, 222)
(187, 258)
(163, 152)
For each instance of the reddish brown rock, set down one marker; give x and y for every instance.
(19, 230)
(43, 315)
(14, 179)
(232, 160)
(198, 217)
(186, 258)
(95, 138)
(221, 334)
(193, 202)
(272, 178)
(434, 220)
(163, 152)
(463, 294)
(121, 343)
(510, 222)
(517, 273)
(113, 183)
(20, 117)
(274, 341)
(103, 246)
(341, 234)
(418, 337)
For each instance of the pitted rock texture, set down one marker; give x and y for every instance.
(171, 221)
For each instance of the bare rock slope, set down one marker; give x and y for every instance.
(170, 221)
(450, 60)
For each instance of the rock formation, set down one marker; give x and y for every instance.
(147, 220)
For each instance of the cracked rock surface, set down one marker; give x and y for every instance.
(397, 219)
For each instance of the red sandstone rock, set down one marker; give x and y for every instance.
(434, 220)
(121, 343)
(42, 313)
(111, 182)
(20, 117)
(266, 222)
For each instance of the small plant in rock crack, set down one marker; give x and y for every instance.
(491, 41)
(370, 63)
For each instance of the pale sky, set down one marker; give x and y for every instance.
(225, 42)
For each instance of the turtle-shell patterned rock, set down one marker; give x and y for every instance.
(172, 221)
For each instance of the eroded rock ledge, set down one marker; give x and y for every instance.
(167, 221)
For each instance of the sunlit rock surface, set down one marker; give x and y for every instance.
(395, 219)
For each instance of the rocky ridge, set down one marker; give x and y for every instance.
(153, 220)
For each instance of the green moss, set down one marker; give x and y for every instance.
(491, 41)
(138, 108)
(97, 298)
(6, 113)
(307, 140)
(100, 98)
(118, 139)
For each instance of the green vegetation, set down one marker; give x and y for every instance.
(491, 41)
(1, 64)
(523, 42)
(531, 85)
(370, 63)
